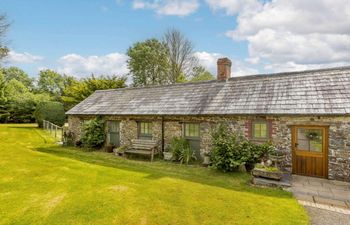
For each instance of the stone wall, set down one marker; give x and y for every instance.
(171, 129)
(280, 129)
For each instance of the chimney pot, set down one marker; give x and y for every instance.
(224, 69)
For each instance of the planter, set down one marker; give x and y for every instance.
(206, 160)
(118, 151)
(168, 155)
(109, 148)
(274, 175)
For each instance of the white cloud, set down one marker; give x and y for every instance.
(232, 7)
(209, 62)
(298, 34)
(292, 66)
(22, 58)
(168, 7)
(77, 65)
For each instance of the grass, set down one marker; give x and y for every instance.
(41, 183)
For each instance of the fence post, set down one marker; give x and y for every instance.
(54, 130)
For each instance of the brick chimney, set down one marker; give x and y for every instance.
(224, 69)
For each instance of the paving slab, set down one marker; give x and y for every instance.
(337, 187)
(329, 192)
(304, 197)
(325, 194)
(332, 202)
(327, 217)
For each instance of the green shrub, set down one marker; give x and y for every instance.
(93, 135)
(176, 145)
(181, 150)
(50, 111)
(186, 155)
(231, 150)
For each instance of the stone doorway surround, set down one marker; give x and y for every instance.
(322, 193)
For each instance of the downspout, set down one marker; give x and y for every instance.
(162, 133)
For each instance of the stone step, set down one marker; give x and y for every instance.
(270, 183)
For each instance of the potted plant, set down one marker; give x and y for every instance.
(312, 135)
(206, 159)
(267, 171)
(120, 150)
(186, 155)
(168, 155)
(109, 148)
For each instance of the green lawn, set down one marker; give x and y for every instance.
(41, 183)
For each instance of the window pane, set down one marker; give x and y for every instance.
(257, 130)
(263, 130)
(145, 128)
(149, 131)
(260, 130)
(113, 126)
(191, 130)
(310, 139)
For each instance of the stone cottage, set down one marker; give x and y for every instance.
(306, 114)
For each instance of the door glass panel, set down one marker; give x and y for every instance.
(192, 130)
(113, 126)
(113, 133)
(310, 139)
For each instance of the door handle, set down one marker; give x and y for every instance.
(296, 145)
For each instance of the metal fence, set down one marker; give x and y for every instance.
(55, 131)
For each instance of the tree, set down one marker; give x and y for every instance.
(180, 55)
(19, 75)
(50, 111)
(201, 74)
(19, 102)
(148, 63)
(3, 100)
(79, 90)
(4, 25)
(51, 82)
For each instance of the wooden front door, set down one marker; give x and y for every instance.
(310, 151)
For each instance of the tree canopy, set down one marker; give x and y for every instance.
(148, 63)
(20, 94)
(19, 102)
(166, 61)
(19, 75)
(79, 90)
(50, 82)
(201, 74)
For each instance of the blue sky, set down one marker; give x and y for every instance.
(83, 37)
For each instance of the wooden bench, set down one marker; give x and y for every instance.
(143, 147)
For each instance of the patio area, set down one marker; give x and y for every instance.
(321, 191)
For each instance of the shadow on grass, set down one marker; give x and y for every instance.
(159, 169)
(24, 126)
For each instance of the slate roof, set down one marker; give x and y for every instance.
(316, 92)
